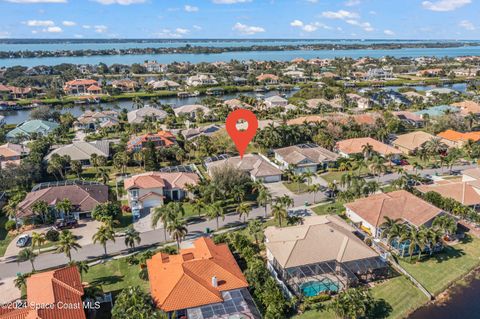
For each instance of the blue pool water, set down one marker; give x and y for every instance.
(314, 288)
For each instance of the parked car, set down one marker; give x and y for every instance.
(23, 241)
(65, 224)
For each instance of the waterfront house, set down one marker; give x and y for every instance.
(468, 107)
(12, 154)
(387, 98)
(191, 111)
(347, 148)
(149, 190)
(82, 151)
(440, 91)
(467, 72)
(84, 197)
(92, 120)
(458, 139)
(159, 140)
(258, 167)
(166, 85)
(368, 213)
(34, 127)
(82, 87)
(234, 104)
(296, 75)
(125, 85)
(50, 295)
(193, 133)
(410, 143)
(15, 92)
(359, 101)
(153, 66)
(269, 79)
(275, 101)
(140, 115)
(429, 72)
(201, 79)
(380, 74)
(437, 111)
(322, 255)
(305, 157)
(202, 281)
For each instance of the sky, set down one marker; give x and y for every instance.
(317, 19)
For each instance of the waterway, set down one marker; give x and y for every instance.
(226, 56)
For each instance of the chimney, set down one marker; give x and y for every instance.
(214, 282)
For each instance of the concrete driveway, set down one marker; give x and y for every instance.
(8, 291)
(144, 223)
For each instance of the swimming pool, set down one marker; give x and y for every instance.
(313, 288)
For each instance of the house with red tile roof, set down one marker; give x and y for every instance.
(149, 190)
(82, 87)
(15, 92)
(60, 289)
(159, 139)
(84, 198)
(268, 78)
(203, 281)
(12, 153)
(458, 139)
(369, 212)
(353, 146)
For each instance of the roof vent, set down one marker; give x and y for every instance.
(214, 281)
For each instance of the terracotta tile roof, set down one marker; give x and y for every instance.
(467, 193)
(263, 77)
(408, 116)
(298, 245)
(83, 197)
(467, 107)
(163, 138)
(94, 88)
(398, 204)
(161, 180)
(81, 82)
(61, 286)
(186, 280)
(412, 141)
(355, 145)
(10, 149)
(452, 135)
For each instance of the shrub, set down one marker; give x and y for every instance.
(10, 225)
(106, 211)
(52, 235)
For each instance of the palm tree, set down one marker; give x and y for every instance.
(377, 167)
(255, 228)
(76, 167)
(82, 267)
(11, 207)
(352, 303)
(178, 230)
(132, 236)
(166, 214)
(66, 243)
(27, 254)
(367, 151)
(289, 172)
(308, 175)
(21, 281)
(315, 188)
(198, 206)
(38, 239)
(103, 235)
(41, 209)
(216, 210)
(103, 174)
(94, 160)
(264, 198)
(243, 209)
(65, 206)
(279, 212)
(445, 223)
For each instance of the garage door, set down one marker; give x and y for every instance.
(152, 202)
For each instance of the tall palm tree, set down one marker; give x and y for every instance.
(367, 151)
(132, 236)
(94, 160)
(82, 267)
(308, 175)
(103, 235)
(315, 188)
(198, 206)
(166, 214)
(445, 223)
(38, 239)
(12, 205)
(65, 206)
(103, 174)
(66, 243)
(255, 228)
(27, 254)
(178, 230)
(216, 210)
(243, 209)
(41, 209)
(264, 198)
(279, 212)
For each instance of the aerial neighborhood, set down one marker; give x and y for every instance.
(119, 186)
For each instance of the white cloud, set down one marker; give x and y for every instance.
(296, 23)
(37, 1)
(351, 3)
(168, 33)
(246, 29)
(310, 27)
(340, 14)
(230, 1)
(445, 5)
(100, 28)
(197, 27)
(181, 31)
(312, 1)
(69, 23)
(364, 25)
(40, 23)
(190, 8)
(388, 32)
(53, 30)
(86, 26)
(467, 25)
(4, 34)
(121, 2)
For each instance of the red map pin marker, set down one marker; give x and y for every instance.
(241, 138)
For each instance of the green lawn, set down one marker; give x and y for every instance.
(332, 208)
(401, 295)
(333, 176)
(115, 275)
(5, 238)
(438, 272)
(295, 187)
(313, 314)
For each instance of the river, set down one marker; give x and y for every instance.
(226, 56)
(463, 304)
